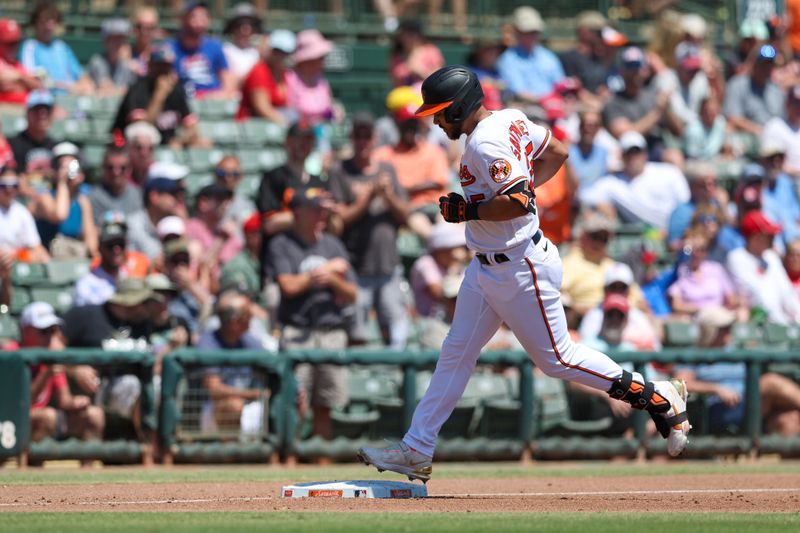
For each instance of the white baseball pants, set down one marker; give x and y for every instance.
(523, 293)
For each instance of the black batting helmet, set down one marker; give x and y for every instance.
(455, 89)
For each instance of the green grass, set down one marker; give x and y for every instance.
(264, 473)
(412, 522)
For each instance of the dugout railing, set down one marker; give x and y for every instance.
(15, 406)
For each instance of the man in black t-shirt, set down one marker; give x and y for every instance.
(159, 99)
(373, 206)
(32, 147)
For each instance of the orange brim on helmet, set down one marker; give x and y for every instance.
(426, 110)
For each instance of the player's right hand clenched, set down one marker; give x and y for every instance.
(455, 209)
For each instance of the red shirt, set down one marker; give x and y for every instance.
(53, 384)
(13, 92)
(260, 78)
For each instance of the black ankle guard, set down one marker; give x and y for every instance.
(640, 396)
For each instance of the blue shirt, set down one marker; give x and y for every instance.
(535, 72)
(199, 69)
(679, 221)
(780, 204)
(590, 167)
(56, 58)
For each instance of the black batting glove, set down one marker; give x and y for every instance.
(455, 209)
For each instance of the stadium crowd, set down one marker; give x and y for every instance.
(678, 203)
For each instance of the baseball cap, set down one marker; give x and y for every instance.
(591, 20)
(170, 225)
(756, 222)
(131, 292)
(243, 12)
(160, 283)
(115, 26)
(766, 54)
(40, 97)
(444, 235)
(39, 315)
(165, 176)
(619, 273)
(687, 56)
(215, 190)
(363, 120)
(141, 128)
(594, 221)
(309, 197)
(300, 128)
(616, 302)
(10, 32)
(753, 172)
(65, 148)
(527, 19)
(754, 28)
(193, 4)
(253, 223)
(694, 25)
(632, 58)
(113, 231)
(283, 40)
(402, 102)
(175, 247)
(613, 37)
(632, 140)
(770, 148)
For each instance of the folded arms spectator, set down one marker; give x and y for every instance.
(264, 91)
(15, 80)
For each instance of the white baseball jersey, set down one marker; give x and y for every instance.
(499, 153)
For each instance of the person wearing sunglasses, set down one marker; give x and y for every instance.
(18, 234)
(115, 192)
(228, 173)
(55, 411)
(193, 300)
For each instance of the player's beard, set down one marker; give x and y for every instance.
(454, 132)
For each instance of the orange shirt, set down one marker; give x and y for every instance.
(793, 25)
(425, 164)
(137, 265)
(554, 205)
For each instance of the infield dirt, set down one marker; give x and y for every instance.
(736, 492)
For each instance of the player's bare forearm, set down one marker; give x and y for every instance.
(546, 166)
(501, 207)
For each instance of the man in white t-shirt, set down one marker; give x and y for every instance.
(643, 191)
(18, 233)
(759, 274)
(785, 132)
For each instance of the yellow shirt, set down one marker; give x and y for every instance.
(584, 280)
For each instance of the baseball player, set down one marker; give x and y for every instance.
(515, 277)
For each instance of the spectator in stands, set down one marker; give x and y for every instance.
(193, 301)
(33, 146)
(41, 328)
(702, 179)
(639, 109)
(482, 60)
(18, 235)
(52, 57)
(373, 207)
(791, 262)
(686, 84)
(6, 153)
(15, 80)
(588, 159)
(412, 58)
(244, 29)
(638, 331)
(316, 283)
(404, 99)
(217, 236)
(589, 60)
(199, 60)
(277, 184)
(164, 195)
(97, 286)
(706, 136)
(713, 221)
(614, 319)
(422, 169)
(529, 70)
(111, 70)
(785, 132)
(115, 192)
(159, 99)
(168, 332)
(264, 90)
(759, 274)
(778, 195)
(701, 282)
(141, 138)
(752, 99)
(587, 262)
(643, 191)
(245, 267)
(752, 34)
(63, 211)
(308, 91)
(228, 174)
(724, 383)
(6, 289)
(145, 31)
(231, 388)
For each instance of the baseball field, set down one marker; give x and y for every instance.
(681, 496)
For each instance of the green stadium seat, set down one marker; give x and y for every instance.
(747, 335)
(212, 110)
(202, 159)
(195, 182)
(169, 155)
(101, 129)
(9, 328)
(66, 272)
(13, 125)
(29, 274)
(553, 414)
(249, 185)
(93, 155)
(106, 106)
(77, 130)
(59, 297)
(222, 132)
(260, 132)
(249, 160)
(681, 334)
(20, 297)
(273, 158)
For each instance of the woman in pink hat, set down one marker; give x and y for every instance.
(308, 91)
